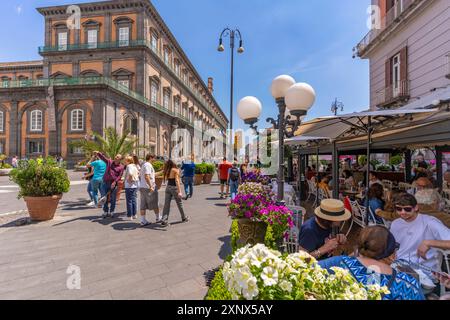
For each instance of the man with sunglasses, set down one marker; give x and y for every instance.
(416, 233)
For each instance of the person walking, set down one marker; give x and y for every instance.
(173, 191)
(113, 174)
(224, 167)
(188, 169)
(131, 187)
(148, 191)
(88, 177)
(15, 162)
(99, 169)
(234, 180)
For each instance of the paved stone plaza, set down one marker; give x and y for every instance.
(117, 258)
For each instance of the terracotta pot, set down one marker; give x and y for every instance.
(198, 179)
(251, 232)
(42, 208)
(207, 178)
(159, 182)
(120, 186)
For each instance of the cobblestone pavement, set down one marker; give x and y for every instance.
(117, 258)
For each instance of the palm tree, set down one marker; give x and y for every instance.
(110, 145)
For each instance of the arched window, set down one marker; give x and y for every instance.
(2, 120)
(36, 120)
(77, 120)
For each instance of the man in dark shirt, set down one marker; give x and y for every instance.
(113, 175)
(317, 235)
(188, 169)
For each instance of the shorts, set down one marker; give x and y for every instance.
(223, 182)
(149, 200)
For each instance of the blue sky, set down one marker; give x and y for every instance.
(309, 40)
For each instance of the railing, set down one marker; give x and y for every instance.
(393, 93)
(132, 44)
(392, 16)
(91, 81)
(98, 45)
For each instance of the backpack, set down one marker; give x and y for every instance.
(234, 174)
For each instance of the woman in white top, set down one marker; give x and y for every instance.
(131, 187)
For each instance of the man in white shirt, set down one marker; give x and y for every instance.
(148, 191)
(414, 232)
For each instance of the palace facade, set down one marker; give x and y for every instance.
(119, 67)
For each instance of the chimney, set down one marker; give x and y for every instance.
(210, 85)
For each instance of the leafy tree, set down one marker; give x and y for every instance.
(110, 145)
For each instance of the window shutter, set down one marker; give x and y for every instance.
(404, 64)
(388, 73)
(134, 127)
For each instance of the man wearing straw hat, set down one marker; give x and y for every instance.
(320, 235)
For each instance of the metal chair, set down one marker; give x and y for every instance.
(290, 245)
(386, 223)
(312, 190)
(405, 186)
(387, 184)
(444, 257)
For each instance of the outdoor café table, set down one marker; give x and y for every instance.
(350, 193)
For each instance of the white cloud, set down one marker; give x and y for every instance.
(19, 9)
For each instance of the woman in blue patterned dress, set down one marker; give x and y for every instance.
(371, 265)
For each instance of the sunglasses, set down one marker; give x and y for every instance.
(406, 209)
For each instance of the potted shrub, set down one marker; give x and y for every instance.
(159, 167)
(210, 169)
(200, 170)
(42, 186)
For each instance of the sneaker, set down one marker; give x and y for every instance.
(186, 219)
(105, 215)
(144, 223)
(133, 218)
(91, 204)
(164, 224)
(187, 197)
(111, 214)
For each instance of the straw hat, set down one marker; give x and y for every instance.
(332, 210)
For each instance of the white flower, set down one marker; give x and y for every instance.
(252, 290)
(269, 276)
(286, 286)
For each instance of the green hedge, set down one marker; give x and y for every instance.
(158, 165)
(201, 168)
(218, 290)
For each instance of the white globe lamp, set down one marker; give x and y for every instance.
(299, 99)
(280, 85)
(249, 109)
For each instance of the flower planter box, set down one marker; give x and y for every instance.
(81, 168)
(159, 182)
(5, 172)
(251, 232)
(207, 178)
(42, 208)
(198, 179)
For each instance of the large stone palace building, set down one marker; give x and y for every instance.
(119, 67)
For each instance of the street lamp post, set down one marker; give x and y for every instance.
(297, 99)
(232, 33)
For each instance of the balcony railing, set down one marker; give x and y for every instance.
(392, 94)
(90, 46)
(392, 16)
(133, 44)
(91, 81)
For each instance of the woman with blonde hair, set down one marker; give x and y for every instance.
(131, 187)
